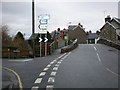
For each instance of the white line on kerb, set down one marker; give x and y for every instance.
(112, 72)
(98, 57)
(35, 88)
(42, 74)
(38, 80)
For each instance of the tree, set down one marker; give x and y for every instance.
(20, 42)
(6, 39)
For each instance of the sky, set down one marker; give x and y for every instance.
(18, 15)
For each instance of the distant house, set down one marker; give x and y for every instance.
(111, 29)
(92, 38)
(77, 32)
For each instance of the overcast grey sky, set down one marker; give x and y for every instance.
(17, 15)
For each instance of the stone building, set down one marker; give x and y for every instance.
(111, 29)
(77, 32)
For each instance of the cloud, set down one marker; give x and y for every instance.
(18, 15)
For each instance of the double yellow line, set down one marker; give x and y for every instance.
(18, 77)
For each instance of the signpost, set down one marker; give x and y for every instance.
(43, 21)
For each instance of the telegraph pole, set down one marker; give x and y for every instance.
(33, 27)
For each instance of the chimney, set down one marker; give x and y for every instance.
(108, 18)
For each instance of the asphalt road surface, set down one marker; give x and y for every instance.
(88, 66)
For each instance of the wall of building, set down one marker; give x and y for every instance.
(108, 32)
(78, 33)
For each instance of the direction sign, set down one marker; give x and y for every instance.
(46, 39)
(40, 39)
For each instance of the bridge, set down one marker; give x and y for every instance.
(87, 66)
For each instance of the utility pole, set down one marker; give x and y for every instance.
(33, 27)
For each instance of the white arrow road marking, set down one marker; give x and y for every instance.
(35, 88)
(38, 80)
(40, 39)
(46, 39)
(42, 74)
(51, 79)
(49, 87)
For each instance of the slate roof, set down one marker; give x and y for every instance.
(92, 36)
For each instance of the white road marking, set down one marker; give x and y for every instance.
(98, 57)
(53, 73)
(51, 79)
(51, 62)
(57, 65)
(49, 87)
(54, 60)
(45, 69)
(35, 88)
(42, 74)
(112, 72)
(95, 48)
(21, 60)
(55, 68)
(48, 65)
(59, 62)
(38, 80)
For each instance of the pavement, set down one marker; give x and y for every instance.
(88, 66)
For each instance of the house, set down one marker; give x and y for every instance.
(92, 38)
(111, 30)
(77, 32)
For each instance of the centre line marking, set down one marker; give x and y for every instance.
(49, 87)
(45, 69)
(51, 79)
(112, 72)
(55, 68)
(42, 74)
(53, 73)
(95, 48)
(38, 80)
(98, 57)
(35, 88)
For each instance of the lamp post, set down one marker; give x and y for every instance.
(33, 27)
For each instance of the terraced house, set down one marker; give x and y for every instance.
(111, 30)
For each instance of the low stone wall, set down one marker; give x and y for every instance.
(70, 47)
(109, 43)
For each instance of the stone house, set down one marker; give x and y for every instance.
(111, 29)
(77, 32)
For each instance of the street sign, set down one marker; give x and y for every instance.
(46, 39)
(43, 21)
(40, 39)
(65, 37)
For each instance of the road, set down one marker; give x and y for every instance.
(88, 66)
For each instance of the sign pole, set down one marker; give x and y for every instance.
(40, 48)
(46, 46)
